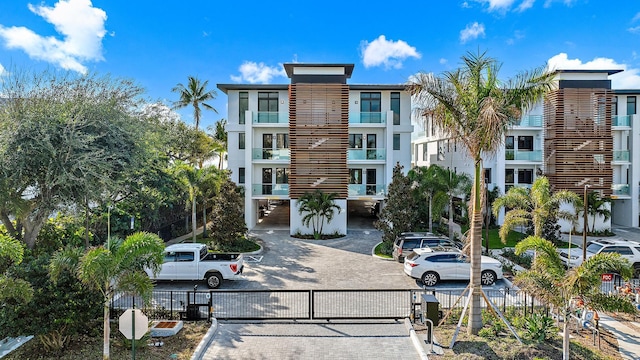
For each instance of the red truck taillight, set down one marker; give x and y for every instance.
(234, 268)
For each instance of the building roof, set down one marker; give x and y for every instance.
(588, 71)
(289, 67)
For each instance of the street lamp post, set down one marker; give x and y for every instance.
(584, 223)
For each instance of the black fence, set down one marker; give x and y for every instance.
(312, 304)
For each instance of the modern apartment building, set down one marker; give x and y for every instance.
(317, 132)
(583, 135)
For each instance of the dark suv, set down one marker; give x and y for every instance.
(417, 240)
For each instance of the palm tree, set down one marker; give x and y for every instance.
(454, 184)
(549, 280)
(471, 105)
(195, 94)
(319, 207)
(533, 206)
(117, 267)
(596, 206)
(196, 181)
(426, 180)
(220, 137)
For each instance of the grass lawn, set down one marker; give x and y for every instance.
(494, 239)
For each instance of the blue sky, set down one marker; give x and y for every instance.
(159, 43)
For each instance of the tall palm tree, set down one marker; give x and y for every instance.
(318, 207)
(426, 180)
(473, 106)
(195, 93)
(221, 137)
(117, 267)
(455, 185)
(532, 206)
(549, 280)
(596, 206)
(196, 181)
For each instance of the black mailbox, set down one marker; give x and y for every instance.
(430, 308)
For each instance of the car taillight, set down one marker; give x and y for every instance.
(412, 264)
(234, 267)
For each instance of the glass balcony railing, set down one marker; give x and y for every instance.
(270, 154)
(621, 120)
(530, 121)
(270, 189)
(366, 154)
(270, 117)
(534, 155)
(621, 155)
(418, 135)
(367, 190)
(620, 189)
(367, 118)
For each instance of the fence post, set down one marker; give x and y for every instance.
(504, 300)
(311, 306)
(525, 304)
(171, 306)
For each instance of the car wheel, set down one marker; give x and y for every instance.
(636, 271)
(430, 278)
(213, 280)
(488, 277)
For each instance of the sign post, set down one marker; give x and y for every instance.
(133, 324)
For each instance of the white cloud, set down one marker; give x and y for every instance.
(524, 5)
(443, 61)
(258, 73)
(81, 26)
(498, 4)
(471, 32)
(628, 79)
(387, 52)
(636, 18)
(634, 30)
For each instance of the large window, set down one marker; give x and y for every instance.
(282, 141)
(355, 176)
(395, 107)
(267, 180)
(525, 143)
(243, 105)
(241, 143)
(396, 141)
(268, 101)
(614, 106)
(487, 176)
(525, 176)
(241, 176)
(631, 105)
(370, 107)
(355, 141)
(508, 142)
(282, 175)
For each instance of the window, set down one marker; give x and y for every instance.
(243, 105)
(487, 176)
(622, 250)
(396, 141)
(508, 142)
(282, 175)
(371, 181)
(282, 141)
(241, 143)
(525, 143)
(355, 141)
(267, 177)
(370, 107)
(169, 256)
(425, 152)
(631, 105)
(371, 147)
(241, 175)
(355, 176)
(508, 176)
(184, 256)
(614, 106)
(267, 107)
(525, 176)
(395, 107)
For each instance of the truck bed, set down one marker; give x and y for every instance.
(220, 256)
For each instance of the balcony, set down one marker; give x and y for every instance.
(519, 155)
(621, 120)
(270, 117)
(529, 121)
(366, 154)
(367, 190)
(270, 189)
(621, 155)
(418, 135)
(367, 118)
(620, 189)
(270, 154)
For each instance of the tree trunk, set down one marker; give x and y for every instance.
(565, 336)
(86, 218)
(106, 331)
(450, 217)
(193, 220)
(430, 214)
(9, 225)
(32, 227)
(475, 309)
(204, 219)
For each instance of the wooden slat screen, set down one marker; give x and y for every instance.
(578, 144)
(319, 136)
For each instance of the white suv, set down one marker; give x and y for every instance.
(628, 249)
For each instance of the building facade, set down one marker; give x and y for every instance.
(317, 132)
(584, 135)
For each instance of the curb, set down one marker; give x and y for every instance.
(373, 253)
(417, 343)
(206, 341)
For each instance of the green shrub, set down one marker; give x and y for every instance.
(539, 328)
(523, 260)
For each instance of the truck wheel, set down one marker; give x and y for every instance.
(213, 280)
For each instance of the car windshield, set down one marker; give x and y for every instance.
(594, 248)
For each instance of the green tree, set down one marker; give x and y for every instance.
(221, 139)
(317, 207)
(427, 181)
(13, 291)
(455, 185)
(65, 141)
(473, 106)
(195, 94)
(400, 211)
(535, 206)
(549, 280)
(196, 181)
(117, 267)
(226, 221)
(596, 207)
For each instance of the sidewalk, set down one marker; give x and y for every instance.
(627, 333)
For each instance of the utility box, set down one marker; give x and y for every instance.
(430, 308)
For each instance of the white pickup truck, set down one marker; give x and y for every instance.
(193, 261)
